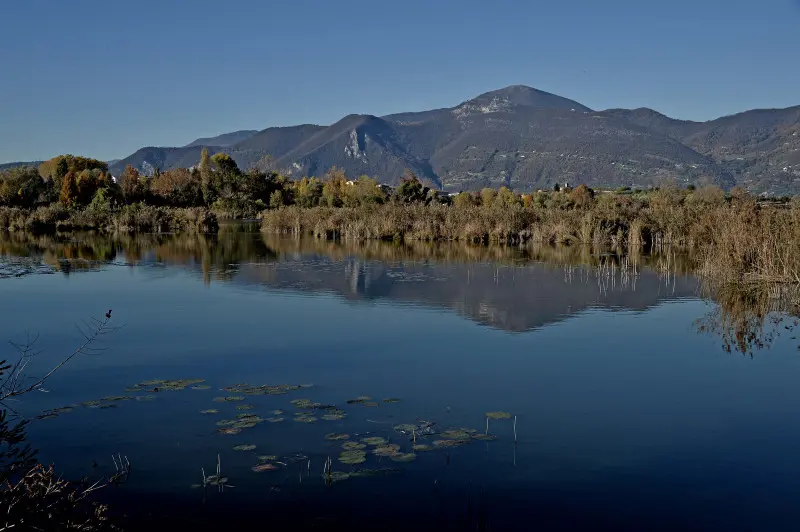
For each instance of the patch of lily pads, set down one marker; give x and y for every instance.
(242, 448)
(265, 389)
(164, 385)
(498, 415)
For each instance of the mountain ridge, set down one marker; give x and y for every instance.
(522, 137)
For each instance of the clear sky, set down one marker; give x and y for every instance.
(104, 78)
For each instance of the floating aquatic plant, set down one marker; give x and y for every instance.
(353, 457)
(145, 397)
(264, 389)
(353, 446)
(375, 440)
(229, 431)
(359, 400)
(484, 437)
(405, 428)
(115, 398)
(445, 444)
(275, 419)
(302, 403)
(386, 450)
(164, 385)
(456, 434)
(403, 457)
(266, 458)
(337, 436)
(228, 399)
(333, 417)
(210, 411)
(200, 387)
(391, 400)
(244, 447)
(260, 468)
(277, 412)
(498, 415)
(422, 447)
(55, 412)
(305, 419)
(371, 404)
(91, 404)
(244, 425)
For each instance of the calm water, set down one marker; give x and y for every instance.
(627, 418)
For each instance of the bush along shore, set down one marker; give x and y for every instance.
(735, 237)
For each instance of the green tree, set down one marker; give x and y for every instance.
(307, 192)
(410, 190)
(333, 189)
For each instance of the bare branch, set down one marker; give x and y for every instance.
(12, 386)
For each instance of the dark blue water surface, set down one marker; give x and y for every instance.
(627, 418)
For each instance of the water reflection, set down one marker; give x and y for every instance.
(513, 288)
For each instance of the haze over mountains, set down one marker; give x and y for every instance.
(523, 138)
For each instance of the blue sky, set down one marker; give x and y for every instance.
(104, 78)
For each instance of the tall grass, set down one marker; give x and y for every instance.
(736, 240)
(126, 219)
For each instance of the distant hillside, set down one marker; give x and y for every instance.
(225, 140)
(524, 138)
(8, 166)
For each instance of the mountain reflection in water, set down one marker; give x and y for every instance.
(509, 288)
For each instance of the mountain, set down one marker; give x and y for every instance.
(9, 166)
(525, 138)
(225, 140)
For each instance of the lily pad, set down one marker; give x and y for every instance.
(403, 457)
(405, 428)
(422, 447)
(456, 434)
(210, 411)
(200, 387)
(266, 458)
(353, 457)
(229, 431)
(446, 444)
(498, 415)
(91, 404)
(484, 437)
(374, 441)
(334, 417)
(244, 448)
(306, 419)
(275, 419)
(337, 436)
(302, 403)
(114, 398)
(353, 446)
(359, 400)
(260, 468)
(264, 389)
(159, 385)
(277, 412)
(228, 399)
(386, 450)
(244, 425)
(392, 400)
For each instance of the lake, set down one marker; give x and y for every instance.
(627, 413)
